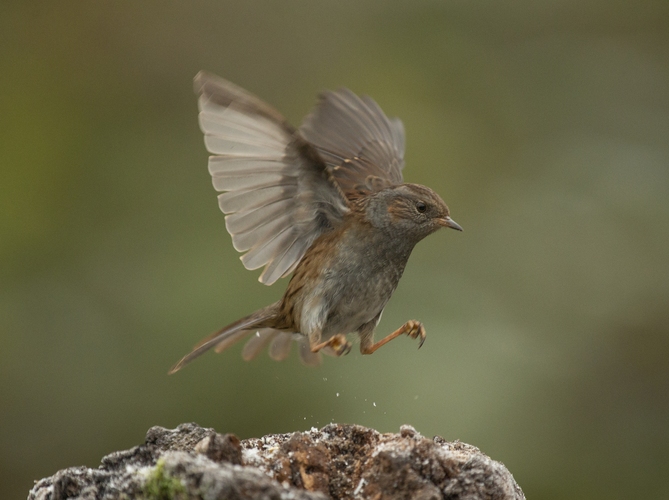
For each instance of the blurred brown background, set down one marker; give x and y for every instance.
(544, 126)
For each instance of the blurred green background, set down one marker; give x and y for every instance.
(544, 126)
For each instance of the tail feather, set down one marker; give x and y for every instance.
(229, 335)
(258, 342)
(230, 340)
(279, 349)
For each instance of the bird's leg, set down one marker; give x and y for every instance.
(412, 328)
(337, 344)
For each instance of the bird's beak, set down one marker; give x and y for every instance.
(448, 222)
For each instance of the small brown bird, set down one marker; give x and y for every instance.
(325, 202)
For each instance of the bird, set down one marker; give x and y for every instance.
(325, 202)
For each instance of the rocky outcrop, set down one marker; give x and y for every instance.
(338, 461)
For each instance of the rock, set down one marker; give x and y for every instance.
(220, 448)
(339, 461)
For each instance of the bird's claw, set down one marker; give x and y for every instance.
(340, 345)
(414, 330)
(336, 345)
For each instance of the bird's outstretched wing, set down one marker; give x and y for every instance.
(278, 193)
(361, 147)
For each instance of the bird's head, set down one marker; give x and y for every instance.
(409, 210)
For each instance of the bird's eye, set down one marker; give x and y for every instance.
(421, 207)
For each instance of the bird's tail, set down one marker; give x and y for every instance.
(225, 337)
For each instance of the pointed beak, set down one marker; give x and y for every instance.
(448, 222)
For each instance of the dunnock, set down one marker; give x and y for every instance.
(325, 202)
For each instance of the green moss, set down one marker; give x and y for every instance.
(162, 486)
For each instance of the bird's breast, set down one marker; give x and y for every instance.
(350, 281)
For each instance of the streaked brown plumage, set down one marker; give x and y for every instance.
(325, 202)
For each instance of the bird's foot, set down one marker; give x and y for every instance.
(412, 328)
(415, 329)
(340, 345)
(336, 345)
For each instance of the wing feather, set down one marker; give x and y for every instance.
(263, 252)
(260, 234)
(288, 261)
(356, 140)
(245, 221)
(281, 189)
(237, 201)
(232, 182)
